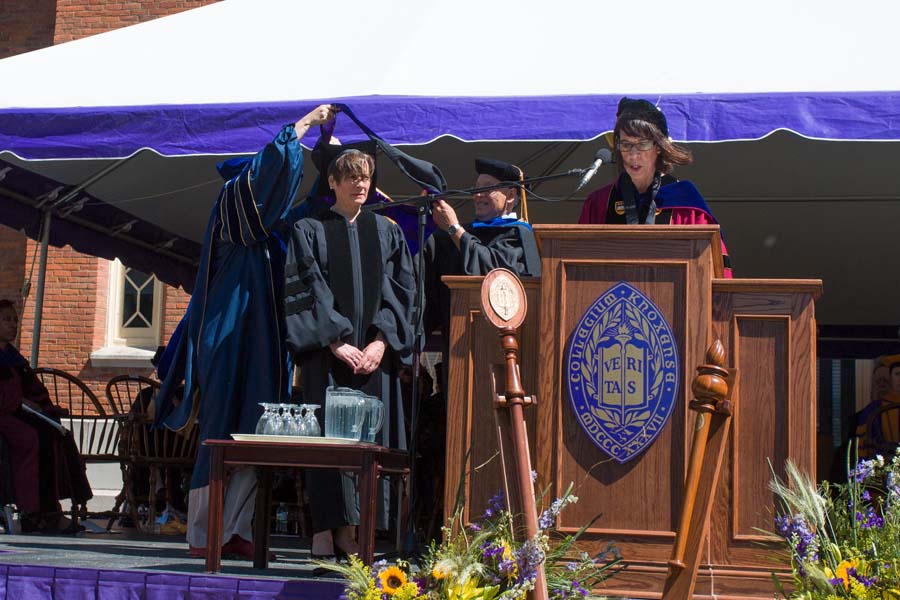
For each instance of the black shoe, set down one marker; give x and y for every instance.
(126, 521)
(30, 524)
(48, 524)
(72, 529)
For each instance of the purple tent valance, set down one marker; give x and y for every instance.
(103, 132)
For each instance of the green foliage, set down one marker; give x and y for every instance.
(483, 561)
(844, 540)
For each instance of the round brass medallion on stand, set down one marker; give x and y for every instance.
(503, 299)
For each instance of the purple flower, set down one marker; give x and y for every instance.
(866, 581)
(870, 519)
(798, 534)
(421, 583)
(574, 590)
(577, 588)
(474, 526)
(491, 551)
(496, 505)
(864, 470)
(546, 520)
(507, 566)
(893, 486)
(528, 557)
(865, 497)
(548, 517)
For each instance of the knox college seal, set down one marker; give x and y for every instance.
(622, 372)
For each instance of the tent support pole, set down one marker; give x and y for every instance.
(46, 214)
(39, 298)
(70, 194)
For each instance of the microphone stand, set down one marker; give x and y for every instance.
(422, 205)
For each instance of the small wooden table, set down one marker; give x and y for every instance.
(369, 460)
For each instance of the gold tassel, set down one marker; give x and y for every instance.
(522, 200)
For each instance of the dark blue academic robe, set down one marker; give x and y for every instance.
(232, 353)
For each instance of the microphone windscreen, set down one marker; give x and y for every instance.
(604, 154)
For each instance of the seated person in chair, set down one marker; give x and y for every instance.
(171, 495)
(47, 464)
(878, 424)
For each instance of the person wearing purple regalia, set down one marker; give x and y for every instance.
(645, 192)
(230, 351)
(46, 464)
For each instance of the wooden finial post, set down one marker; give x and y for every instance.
(504, 305)
(712, 388)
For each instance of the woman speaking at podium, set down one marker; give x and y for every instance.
(645, 192)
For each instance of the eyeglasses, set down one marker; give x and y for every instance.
(487, 192)
(641, 146)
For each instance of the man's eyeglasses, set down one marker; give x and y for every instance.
(641, 146)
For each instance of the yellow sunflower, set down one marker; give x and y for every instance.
(392, 580)
(842, 571)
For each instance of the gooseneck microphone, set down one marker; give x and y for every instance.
(603, 156)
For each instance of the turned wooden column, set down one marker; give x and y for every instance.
(505, 306)
(712, 404)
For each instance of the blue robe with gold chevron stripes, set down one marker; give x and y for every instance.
(232, 353)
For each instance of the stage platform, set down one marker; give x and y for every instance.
(125, 565)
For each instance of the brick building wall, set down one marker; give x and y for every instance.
(26, 25)
(12, 264)
(77, 18)
(77, 286)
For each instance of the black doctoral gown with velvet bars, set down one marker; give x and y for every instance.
(504, 242)
(349, 281)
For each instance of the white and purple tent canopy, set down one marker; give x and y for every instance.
(792, 109)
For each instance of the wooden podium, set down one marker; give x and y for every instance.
(767, 328)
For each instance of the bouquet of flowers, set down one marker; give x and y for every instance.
(844, 539)
(482, 561)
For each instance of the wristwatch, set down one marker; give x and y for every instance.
(453, 229)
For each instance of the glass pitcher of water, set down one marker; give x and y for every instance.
(344, 413)
(374, 418)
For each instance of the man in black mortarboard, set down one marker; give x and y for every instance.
(497, 238)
